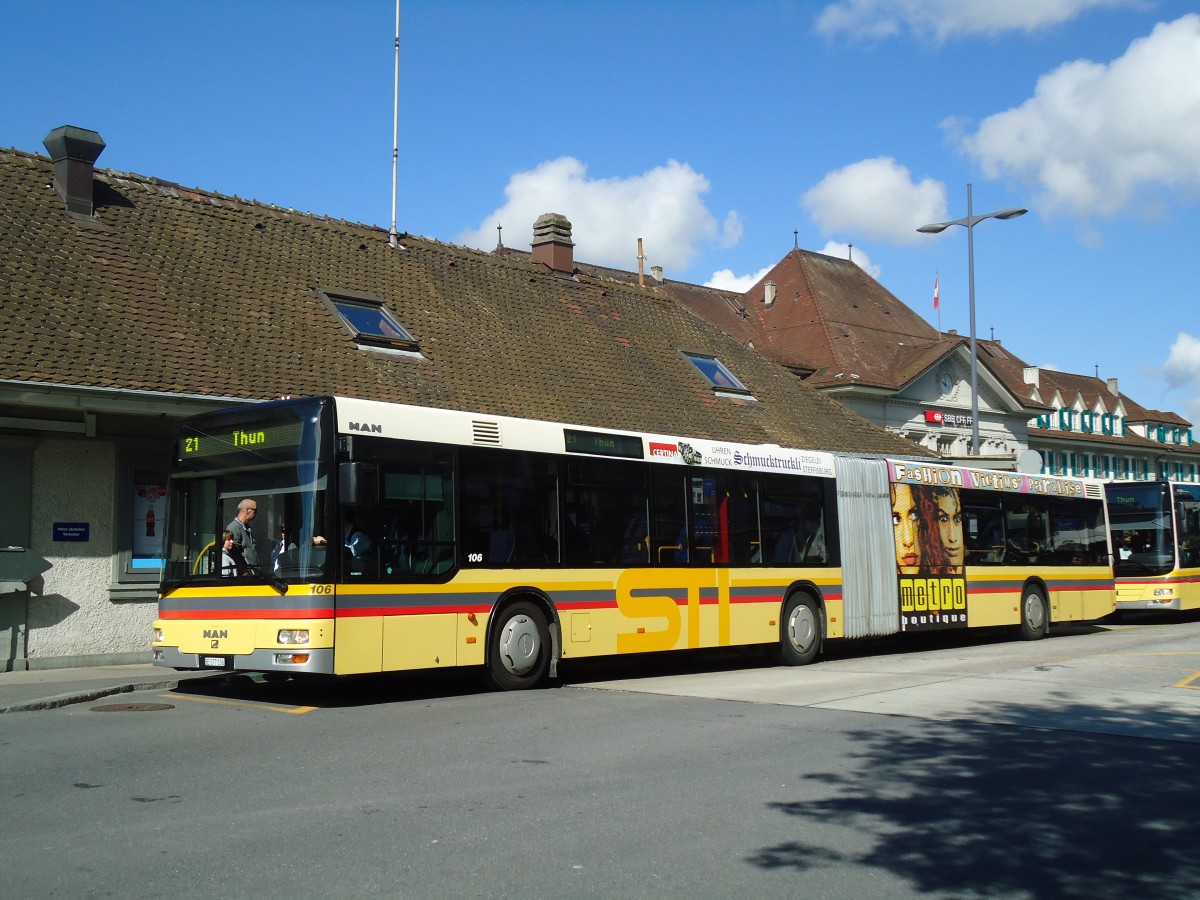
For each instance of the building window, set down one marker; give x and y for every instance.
(370, 321)
(716, 373)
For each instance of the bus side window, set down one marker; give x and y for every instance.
(606, 505)
(1188, 517)
(415, 523)
(668, 536)
(984, 536)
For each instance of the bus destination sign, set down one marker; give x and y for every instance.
(250, 438)
(599, 443)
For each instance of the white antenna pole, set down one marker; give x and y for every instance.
(396, 129)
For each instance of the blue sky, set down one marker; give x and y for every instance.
(715, 131)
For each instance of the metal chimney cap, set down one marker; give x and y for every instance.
(71, 142)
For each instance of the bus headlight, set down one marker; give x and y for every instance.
(157, 636)
(1164, 592)
(293, 636)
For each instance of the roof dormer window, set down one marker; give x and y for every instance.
(369, 320)
(722, 380)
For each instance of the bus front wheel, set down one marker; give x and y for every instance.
(519, 656)
(801, 631)
(1035, 615)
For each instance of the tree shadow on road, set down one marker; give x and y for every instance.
(967, 810)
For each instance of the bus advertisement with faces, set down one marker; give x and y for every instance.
(950, 522)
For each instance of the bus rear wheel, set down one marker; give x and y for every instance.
(801, 631)
(519, 656)
(1035, 614)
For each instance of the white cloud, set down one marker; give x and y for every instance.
(854, 254)
(1182, 371)
(875, 198)
(946, 19)
(732, 230)
(1183, 362)
(663, 206)
(1097, 138)
(725, 280)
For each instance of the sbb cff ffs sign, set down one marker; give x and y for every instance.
(937, 417)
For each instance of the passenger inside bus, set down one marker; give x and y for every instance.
(232, 562)
(356, 543)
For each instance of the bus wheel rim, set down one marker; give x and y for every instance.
(520, 645)
(802, 627)
(1034, 611)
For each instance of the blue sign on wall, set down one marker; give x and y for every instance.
(71, 531)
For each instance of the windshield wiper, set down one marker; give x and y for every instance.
(277, 584)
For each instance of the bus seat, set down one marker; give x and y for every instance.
(501, 544)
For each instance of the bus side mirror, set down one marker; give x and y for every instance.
(356, 483)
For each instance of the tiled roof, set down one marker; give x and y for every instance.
(829, 320)
(189, 292)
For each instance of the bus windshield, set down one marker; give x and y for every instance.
(249, 497)
(1142, 534)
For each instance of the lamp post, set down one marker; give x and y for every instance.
(969, 223)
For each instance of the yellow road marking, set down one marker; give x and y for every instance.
(295, 710)
(1189, 682)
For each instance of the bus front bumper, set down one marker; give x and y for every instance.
(293, 660)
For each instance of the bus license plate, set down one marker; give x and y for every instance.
(216, 662)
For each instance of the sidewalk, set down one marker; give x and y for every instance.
(52, 688)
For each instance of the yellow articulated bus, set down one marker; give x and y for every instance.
(340, 536)
(1156, 542)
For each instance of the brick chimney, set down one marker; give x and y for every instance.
(552, 242)
(74, 151)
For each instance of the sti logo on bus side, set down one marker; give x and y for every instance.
(366, 426)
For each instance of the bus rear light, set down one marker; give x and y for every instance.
(291, 659)
(293, 636)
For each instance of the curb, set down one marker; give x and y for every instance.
(72, 697)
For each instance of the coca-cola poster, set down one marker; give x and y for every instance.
(149, 523)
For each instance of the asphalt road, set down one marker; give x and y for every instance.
(951, 767)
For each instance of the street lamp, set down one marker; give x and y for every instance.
(969, 223)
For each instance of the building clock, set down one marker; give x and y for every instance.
(946, 383)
